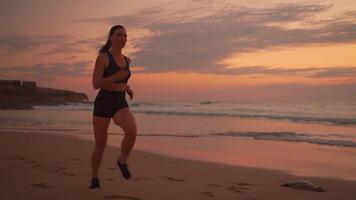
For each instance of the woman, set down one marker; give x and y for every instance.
(111, 74)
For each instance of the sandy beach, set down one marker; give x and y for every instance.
(223, 100)
(40, 166)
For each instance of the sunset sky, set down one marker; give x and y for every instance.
(246, 50)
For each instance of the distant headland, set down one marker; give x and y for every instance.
(17, 94)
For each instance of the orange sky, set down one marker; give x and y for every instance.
(191, 50)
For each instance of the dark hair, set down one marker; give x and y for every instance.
(107, 46)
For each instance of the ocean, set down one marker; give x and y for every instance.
(311, 139)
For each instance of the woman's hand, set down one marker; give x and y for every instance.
(129, 91)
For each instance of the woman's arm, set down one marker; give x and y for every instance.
(108, 82)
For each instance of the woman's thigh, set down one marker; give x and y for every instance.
(101, 126)
(125, 119)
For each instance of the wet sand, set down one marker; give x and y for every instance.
(40, 166)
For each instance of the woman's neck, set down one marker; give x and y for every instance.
(117, 52)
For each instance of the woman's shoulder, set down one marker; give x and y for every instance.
(127, 58)
(103, 57)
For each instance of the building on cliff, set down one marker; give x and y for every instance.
(18, 84)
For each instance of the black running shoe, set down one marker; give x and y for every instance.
(94, 183)
(124, 170)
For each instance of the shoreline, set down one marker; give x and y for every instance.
(42, 166)
(298, 159)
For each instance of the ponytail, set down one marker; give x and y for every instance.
(107, 46)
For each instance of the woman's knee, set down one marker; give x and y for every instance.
(131, 131)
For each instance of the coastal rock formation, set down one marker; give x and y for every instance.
(17, 94)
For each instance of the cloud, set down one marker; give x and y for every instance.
(47, 45)
(25, 42)
(194, 42)
(80, 69)
(200, 35)
(263, 70)
(326, 72)
(336, 72)
(75, 46)
(40, 71)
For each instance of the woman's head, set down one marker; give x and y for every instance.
(117, 38)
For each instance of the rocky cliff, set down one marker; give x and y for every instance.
(16, 94)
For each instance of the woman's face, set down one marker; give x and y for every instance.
(119, 38)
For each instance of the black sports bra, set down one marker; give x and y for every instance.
(113, 68)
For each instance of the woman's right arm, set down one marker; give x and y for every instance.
(97, 80)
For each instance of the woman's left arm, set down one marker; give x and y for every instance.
(128, 89)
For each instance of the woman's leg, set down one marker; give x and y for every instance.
(125, 119)
(100, 125)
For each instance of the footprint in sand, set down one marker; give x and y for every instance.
(241, 184)
(120, 197)
(15, 158)
(60, 167)
(54, 170)
(173, 179)
(41, 185)
(68, 174)
(213, 185)
(34, 164)
(235, 189)
(30, 162)
(37, 166)
(141, 179)
(208, 194)
(239, 187)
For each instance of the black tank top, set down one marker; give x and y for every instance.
(113, 68)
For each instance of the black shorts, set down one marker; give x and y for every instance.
(108, 102)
